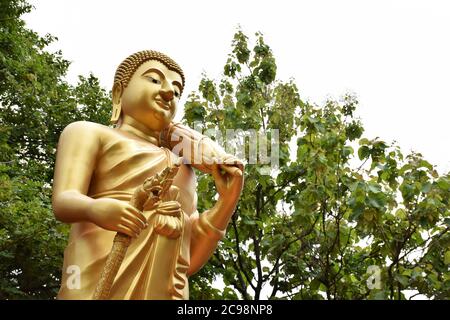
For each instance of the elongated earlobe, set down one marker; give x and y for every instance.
(117, 103)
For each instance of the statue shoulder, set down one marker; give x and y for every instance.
(83, 132)
(84, 128)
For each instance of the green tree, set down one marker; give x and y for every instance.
(337, 204)
(315, 227)
(36, 103)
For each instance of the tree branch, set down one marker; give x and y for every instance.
(238, 251)
(283, 186)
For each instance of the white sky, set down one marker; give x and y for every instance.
(395, 55)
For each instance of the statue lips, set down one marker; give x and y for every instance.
(163, 105)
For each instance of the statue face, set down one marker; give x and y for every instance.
(152, 95)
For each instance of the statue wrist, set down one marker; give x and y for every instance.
(208, 230)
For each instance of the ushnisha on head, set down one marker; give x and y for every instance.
(131, 72)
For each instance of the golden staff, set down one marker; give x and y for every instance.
(148, 194)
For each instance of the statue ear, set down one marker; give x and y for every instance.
(117, 103)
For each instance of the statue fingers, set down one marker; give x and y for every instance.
(169, 213)
(232, 160)
(138, 219)
(161, 225)
(151, 203)
(168, 226)
(159, 222)
(131, 225)
(216, 172)
(174, 212)
(126, 230)
(169, 205)
(231, 169)
(137, 213)
(174, 226)
(156, 221)
(232, 165)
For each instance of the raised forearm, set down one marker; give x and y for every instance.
(219, 216)
(207, 230)
(197, 149)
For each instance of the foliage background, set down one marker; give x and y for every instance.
(339, 203)
(36, 104)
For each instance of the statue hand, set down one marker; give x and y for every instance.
(115, 215)
(232, 165)
(167, 219)
(229, 183)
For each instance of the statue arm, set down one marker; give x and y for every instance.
(75, 160)
(78, 150)
(197, 149)
(210, 227)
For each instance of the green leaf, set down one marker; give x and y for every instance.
(375, 188)
(425, 164)
(248, 221)
(402, 279)
(363, 152)
(363, 141)
(401, 214)
(444, 184)
(314, 285)
(347, 150)
(447, 221)
(426, 187)
(356, 212)
(447, 257)
(380, 295)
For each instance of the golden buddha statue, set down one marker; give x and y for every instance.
(98, 168)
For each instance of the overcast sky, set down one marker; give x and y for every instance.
(394, 55)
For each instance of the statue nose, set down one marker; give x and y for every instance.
(167, 92)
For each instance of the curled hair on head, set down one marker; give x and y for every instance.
(128, 66)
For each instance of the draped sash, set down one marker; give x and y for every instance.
(155, 266)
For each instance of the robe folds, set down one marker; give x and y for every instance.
(155, 266)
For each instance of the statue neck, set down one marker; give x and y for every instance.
(136, 128)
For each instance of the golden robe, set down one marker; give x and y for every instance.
(155, 266)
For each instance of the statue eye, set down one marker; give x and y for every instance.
(177, 94)
(153, 80)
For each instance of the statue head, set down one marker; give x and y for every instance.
(147, 86)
